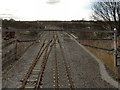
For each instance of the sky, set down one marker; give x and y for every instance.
(28, 10)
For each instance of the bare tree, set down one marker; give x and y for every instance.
(109, 12)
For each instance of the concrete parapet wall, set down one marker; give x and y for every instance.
(107, 56)
(12, 51)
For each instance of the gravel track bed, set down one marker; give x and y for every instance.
(83, 68)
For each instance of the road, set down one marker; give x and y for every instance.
(66, 66)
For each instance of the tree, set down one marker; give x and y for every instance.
(12, 20)
(109, 12)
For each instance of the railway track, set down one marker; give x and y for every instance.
(66, 65)
(43, 48)
(44, 52)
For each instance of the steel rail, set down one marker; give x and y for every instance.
(45, 59)
(34, 63)
(66, 66)
(43, 62)
(56, 68)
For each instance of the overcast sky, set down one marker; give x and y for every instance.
(45, 9)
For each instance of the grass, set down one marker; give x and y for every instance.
(105, 56)
(107, 44)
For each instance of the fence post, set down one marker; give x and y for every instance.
(115, 47)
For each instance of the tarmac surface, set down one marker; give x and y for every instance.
(83, 68)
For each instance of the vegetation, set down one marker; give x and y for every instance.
(93, 25)
(108, 11)
(18, 24)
